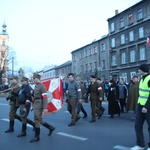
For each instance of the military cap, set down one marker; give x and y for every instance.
(98, 79)
(24, 79)
(14, 77)
(36, 75)
(92, 76)
(135, 76)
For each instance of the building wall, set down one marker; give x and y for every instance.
(139, 43)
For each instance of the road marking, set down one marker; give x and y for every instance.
(7, 120)
(4, 104)
(121, 147)
(72, 136)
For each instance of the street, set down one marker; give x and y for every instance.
(104, 134)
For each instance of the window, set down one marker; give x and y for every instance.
(131, 36)
(90, 51)
(142, 53)
(86, 67)
(141, 32)
(122, 39)
(132, 74)
(140, 15)
(103, 47)
(123, 58)
(3, 43)
(113, 60)
(112, 27)
(130, 18)
(122, 23)
(113, 42)
(80, 56)
(85, 53)
(95, 65)
(90, 69)
(132, 56)
(95, 50)
(103, 64)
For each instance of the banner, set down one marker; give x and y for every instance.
(54, 93)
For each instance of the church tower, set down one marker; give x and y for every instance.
(4, 38)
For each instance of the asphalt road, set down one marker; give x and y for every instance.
(104, 134)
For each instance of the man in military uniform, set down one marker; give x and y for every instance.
(40, 107)
(99, 102)
(13, 97)
(95, 91)
(25, 100)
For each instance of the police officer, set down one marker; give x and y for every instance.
(13, 97)
(143, 108)
(40, 107)
(95, 91)
(25, 100)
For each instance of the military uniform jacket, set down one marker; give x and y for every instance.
(40, 96)
(95, 91)
(14, 94)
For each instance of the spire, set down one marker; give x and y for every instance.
(4, 28)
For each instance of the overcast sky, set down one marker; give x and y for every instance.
(45, 32)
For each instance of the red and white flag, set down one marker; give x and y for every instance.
(148, 41)
(54, 93)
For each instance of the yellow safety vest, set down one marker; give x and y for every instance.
(143, 91)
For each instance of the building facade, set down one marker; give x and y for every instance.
(128, 32)
(92, 59)
(119, 54)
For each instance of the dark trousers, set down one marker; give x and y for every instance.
(122, 105)
(81, 108)
(93, 109)
(71, 107)
(140, 119)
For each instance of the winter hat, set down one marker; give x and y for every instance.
(144, 68)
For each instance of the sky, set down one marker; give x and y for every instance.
(45, 32)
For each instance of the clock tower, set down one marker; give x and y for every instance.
(3, 56)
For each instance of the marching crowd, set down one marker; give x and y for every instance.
(121, 98)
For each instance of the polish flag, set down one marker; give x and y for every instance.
(54, 94)
(148, 41)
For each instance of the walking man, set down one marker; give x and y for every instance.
(143, 108)
(40, 107)
(74, 96)
(13, 102)
(80, 105)
(95, 91)
(25, 100)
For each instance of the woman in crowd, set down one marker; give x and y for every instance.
(113, 106)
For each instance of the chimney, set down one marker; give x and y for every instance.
(116, 11)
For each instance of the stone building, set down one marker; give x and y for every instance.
(120, 52)
(128, 32)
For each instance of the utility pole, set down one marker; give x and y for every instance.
(12, 66)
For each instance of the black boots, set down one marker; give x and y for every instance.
(51, 128)
(23, 132)
(37, 134)
(11, 126)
